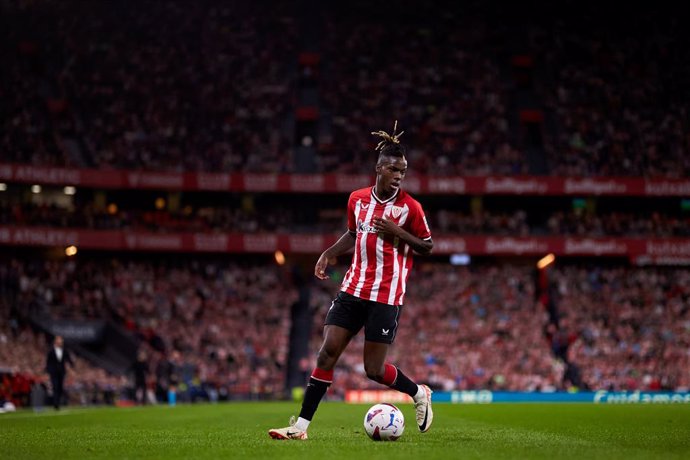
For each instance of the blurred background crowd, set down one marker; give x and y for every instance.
(214, 85)
(221, 329)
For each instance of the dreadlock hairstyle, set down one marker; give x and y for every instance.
(390, 145)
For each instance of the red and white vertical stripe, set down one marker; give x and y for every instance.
(381, 263)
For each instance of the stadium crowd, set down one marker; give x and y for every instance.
(220, 324)
(521, 222)
(447, 94)
(218, 330)
(218, 91)
(105, 85)
(629, 329)
(279, 218)
(482, 328)
(462, 329)
(22, 365)
(187, 219)
(619, 99)
(23, 349)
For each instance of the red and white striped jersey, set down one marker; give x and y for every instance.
(381, 263)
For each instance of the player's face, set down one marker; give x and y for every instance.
(391, 172)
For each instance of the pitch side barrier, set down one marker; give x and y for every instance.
(489, 397)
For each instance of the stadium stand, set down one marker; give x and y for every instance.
(482, 328)
(448, 92)
(617, 98)
(91, 92)
(213, 316)
(244, 214)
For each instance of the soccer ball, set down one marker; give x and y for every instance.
(384, 422)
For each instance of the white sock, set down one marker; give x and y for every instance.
(302, 424)
(420, 393)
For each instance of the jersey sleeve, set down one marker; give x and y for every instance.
(418, 224)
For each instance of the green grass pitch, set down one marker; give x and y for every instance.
(238, 430)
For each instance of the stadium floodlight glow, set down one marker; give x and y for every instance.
(71, 251)
(546, 261)
(3, 186)
(35, 189)
(280, 257)
(460, 259)
(69, 190)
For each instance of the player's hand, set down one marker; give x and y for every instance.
(320, 268)
(383, 225)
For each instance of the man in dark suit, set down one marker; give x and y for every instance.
(56, 367)
(140, 370)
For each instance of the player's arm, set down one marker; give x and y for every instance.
(420, 246)
(344, 244)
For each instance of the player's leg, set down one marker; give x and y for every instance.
(335, 341)
(380, 371)
(344, 319)
(380, 330)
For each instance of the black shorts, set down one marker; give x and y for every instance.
(380, 320)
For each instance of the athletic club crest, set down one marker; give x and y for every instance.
(396, 211)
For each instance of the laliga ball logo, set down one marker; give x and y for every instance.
(384, 422)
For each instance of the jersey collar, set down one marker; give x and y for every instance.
(392, 198)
